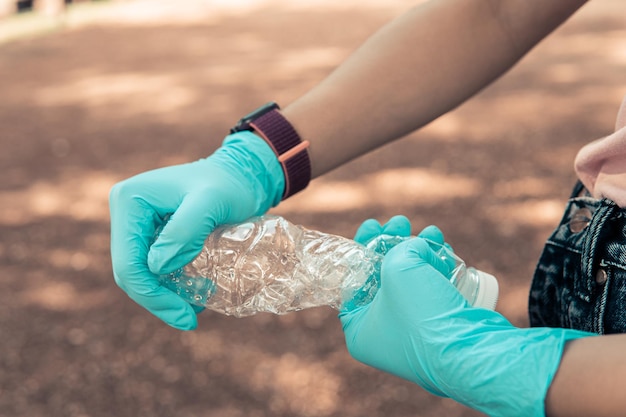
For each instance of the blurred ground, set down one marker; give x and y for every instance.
(118, 88)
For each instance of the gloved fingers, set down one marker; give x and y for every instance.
(433, 234)
(164, 304)
(414, 283)
(419, 250)
(435, 238)
(158, 189)
(415, 298)
(215, 204)
(133, 224)
(132, 230)
(397, 226)
(368, 230)
(183, 236)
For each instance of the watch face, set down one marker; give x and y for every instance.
(244, 123)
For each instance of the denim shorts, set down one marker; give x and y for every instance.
(580, 281)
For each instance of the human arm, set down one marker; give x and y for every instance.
(420, 328)
(418, 67)
(479, 359)
(590, 380)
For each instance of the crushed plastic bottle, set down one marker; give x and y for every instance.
(268, 264)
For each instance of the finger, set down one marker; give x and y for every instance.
(435, 238)
(131, 233)
(432, 233)
(422, 249)
(368, 230)
(144, 288)
(415, 281)
(416, 253)
(183, 236)
(180, 240)
(397, 226)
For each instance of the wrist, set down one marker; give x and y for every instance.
(515, 381)
(268, 123)
(257, 161)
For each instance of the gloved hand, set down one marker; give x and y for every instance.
(420, 328)
(243, 178)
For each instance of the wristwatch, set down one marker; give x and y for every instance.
(268, 123)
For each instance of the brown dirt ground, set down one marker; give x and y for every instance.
(98, 101)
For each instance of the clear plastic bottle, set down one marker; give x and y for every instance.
(268, 264)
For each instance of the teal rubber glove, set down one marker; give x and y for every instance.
(420, 328)
(243, 178)
(396, 226)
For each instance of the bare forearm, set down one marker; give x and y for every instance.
(590, 380)
(418, 67)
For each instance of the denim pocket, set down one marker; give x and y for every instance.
(556, 299)
(580, 280)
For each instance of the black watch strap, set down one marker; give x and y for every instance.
(290, 149)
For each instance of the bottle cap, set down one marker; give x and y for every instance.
(488, 290)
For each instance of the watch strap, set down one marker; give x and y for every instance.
(291, 151)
